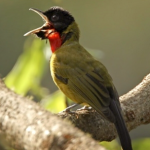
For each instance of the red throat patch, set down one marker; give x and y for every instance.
(55, 41)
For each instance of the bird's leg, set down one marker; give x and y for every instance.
(70, 107)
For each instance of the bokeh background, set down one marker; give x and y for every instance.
(116, 32)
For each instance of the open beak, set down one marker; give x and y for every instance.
(43, 31)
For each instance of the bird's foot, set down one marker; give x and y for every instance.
(85, 108)
(68, 109)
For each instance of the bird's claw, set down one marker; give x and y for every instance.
(68, 109)
(85, 108)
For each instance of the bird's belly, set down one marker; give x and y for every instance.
(65, 88)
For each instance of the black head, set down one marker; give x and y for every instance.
(59, 18)
(56, 19)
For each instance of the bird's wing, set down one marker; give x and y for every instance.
(90, 87)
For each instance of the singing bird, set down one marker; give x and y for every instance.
(77, 74)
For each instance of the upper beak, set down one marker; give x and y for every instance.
(43, 30)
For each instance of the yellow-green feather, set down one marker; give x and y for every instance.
(67, 62)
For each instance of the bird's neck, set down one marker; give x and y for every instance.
(69, 35)
(55, 41)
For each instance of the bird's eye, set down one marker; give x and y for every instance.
(54, 18)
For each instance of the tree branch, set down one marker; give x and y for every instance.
(27, 126)
(136, 110)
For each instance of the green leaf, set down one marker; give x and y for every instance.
(29, 68)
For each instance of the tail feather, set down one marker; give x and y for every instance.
(123, 135)
(120, 126)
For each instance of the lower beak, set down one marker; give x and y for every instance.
(43, 31)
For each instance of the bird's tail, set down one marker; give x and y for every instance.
(121, 128)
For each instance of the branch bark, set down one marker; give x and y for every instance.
(27, 126)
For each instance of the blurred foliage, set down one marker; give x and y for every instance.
(113, 145)
(29, 68)
(54, 102)
(139, 144)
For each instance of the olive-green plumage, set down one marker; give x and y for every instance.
(72, 63)
(79, 76)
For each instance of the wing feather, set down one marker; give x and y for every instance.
(90, 87)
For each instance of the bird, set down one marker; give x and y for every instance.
(81, 77)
